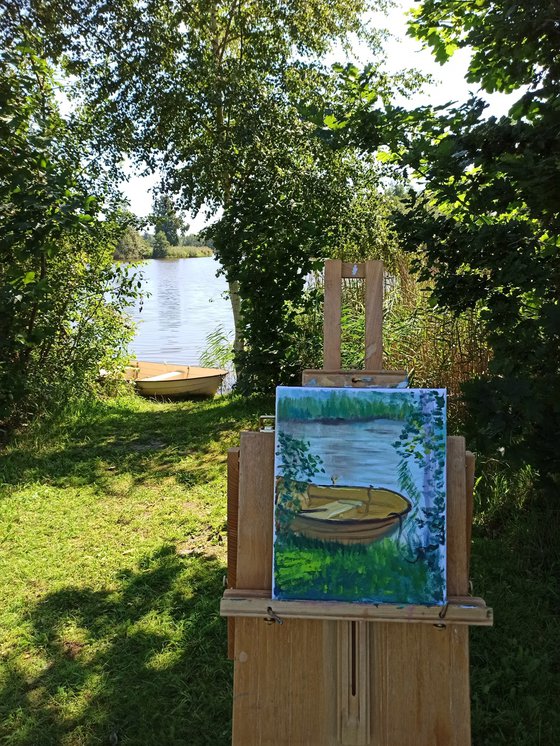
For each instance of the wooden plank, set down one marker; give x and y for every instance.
(352, 271)
(332, 311)
(354, 378)
(283, 684)
(279, 668)
(470, 466)
(457, 566)
(458, 610)
(420, 685)
(374, 315)
(232, 523)
(255, 516)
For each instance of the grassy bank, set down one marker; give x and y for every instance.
(188, 252)
(112, 553)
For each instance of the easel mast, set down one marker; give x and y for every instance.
(334, 674)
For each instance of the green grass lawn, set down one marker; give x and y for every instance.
(112, 554)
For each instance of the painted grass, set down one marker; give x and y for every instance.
(318, 570)
(112, 553)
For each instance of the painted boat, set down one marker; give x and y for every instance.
(174, 380)
(350, 515)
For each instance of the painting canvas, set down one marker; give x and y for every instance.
(360, 501)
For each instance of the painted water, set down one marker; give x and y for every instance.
(185, 302)
(354, 453)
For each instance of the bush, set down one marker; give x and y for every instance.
(131, 246)
(62, 299)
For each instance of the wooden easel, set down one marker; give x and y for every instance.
(339, 674)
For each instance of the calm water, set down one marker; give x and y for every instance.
(186, 304)
(356, 453)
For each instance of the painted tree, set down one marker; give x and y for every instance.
(298, 465)
(423, 441)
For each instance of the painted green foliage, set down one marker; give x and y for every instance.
(298, 467)
(423, 440)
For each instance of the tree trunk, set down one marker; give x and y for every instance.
(236, 308)
(217, 54)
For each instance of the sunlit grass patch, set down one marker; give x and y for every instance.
(111, 568)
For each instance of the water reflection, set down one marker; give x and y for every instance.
(186, 302)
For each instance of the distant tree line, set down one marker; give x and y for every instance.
(170, 230)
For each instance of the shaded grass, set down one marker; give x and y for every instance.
(112, 536)
(515, 667)
(112, 552)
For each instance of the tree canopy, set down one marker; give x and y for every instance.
(203, 90)
(484, 217)
(491, 221)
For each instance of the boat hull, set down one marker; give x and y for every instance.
(350, 515)
(174, 381)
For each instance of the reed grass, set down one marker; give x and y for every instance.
(437, 349)
(188, 252)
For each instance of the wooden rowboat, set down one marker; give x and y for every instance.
(174, 380)
(350, 515)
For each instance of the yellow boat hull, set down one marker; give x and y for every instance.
(174, 380)
(350, 515)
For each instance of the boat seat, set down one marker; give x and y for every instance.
(166, 376)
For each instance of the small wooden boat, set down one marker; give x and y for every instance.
(350, 515)
(174, 380)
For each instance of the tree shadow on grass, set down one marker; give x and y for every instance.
(141, 443)
(143, 662)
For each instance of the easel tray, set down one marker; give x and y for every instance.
(458, 610)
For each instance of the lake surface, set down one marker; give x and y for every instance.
(186, 303)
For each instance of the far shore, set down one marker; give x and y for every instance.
(188, 252)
